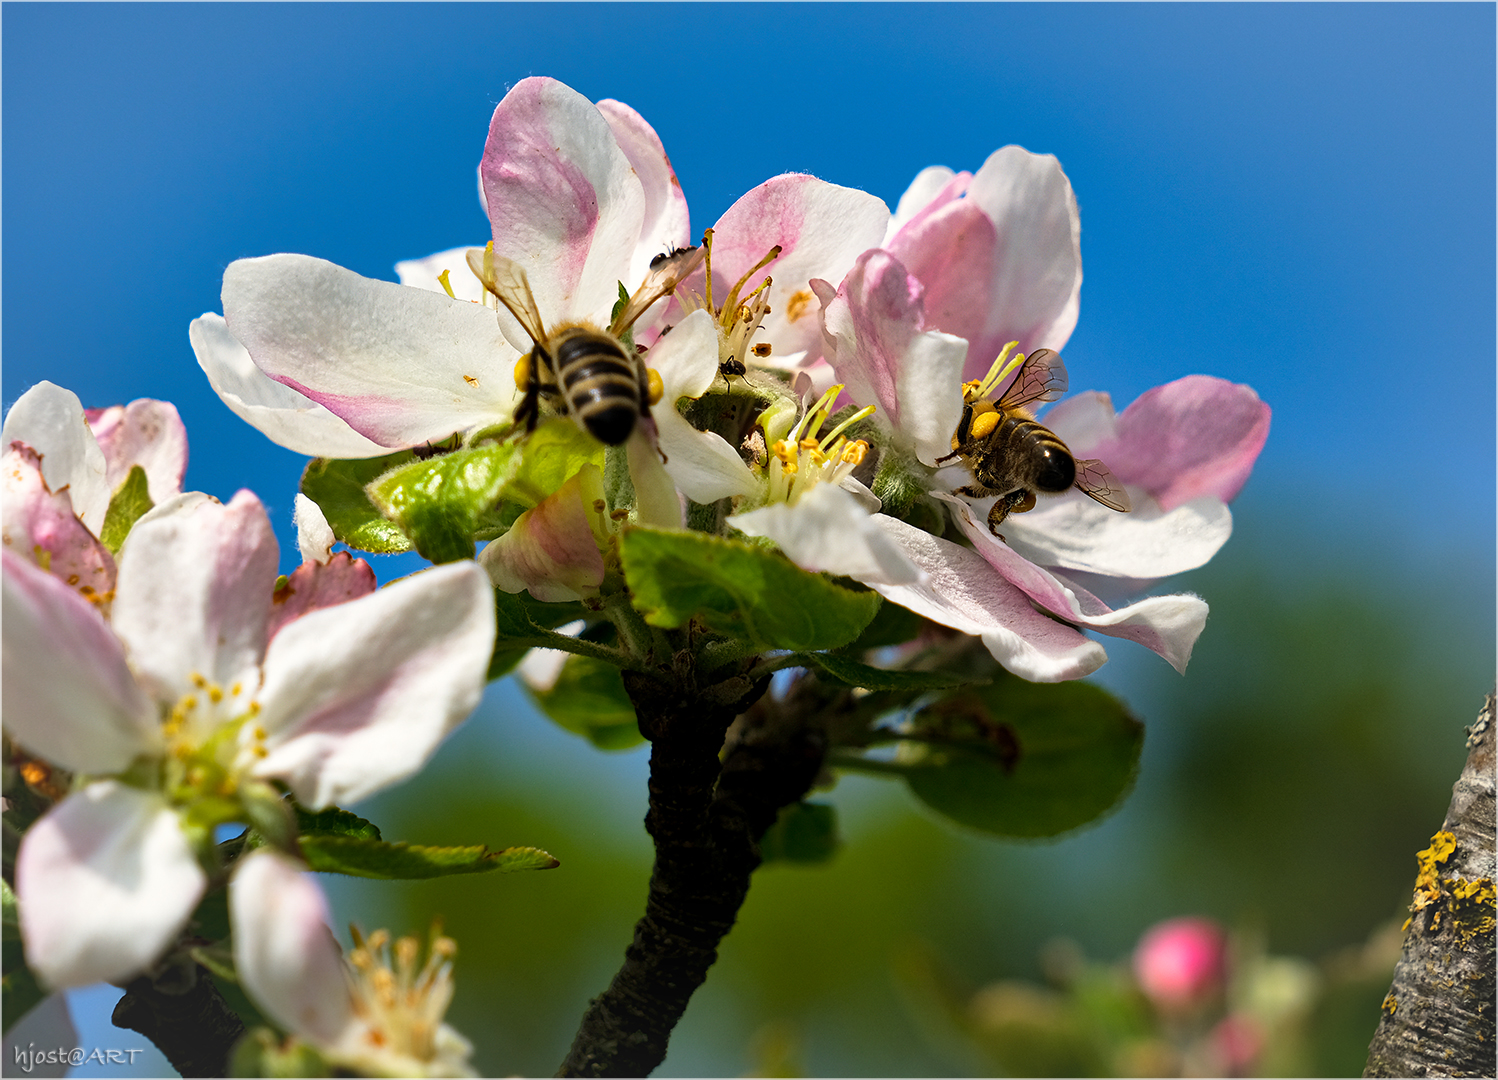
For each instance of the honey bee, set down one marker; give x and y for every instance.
(1014, 457)
(588, 373)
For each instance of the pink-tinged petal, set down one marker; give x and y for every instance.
(314, 536)
(563, 200)
(1168, 625)
(146, 433)
(426, 274)
(194, 594)
(1084, 422)
(44, 1028)
(702, 465)
(68, 694)
(358, 696)
(284, 416)
(1037, 278)
(963, 592)
(314, 586)
(1192, 437)
(552, 549)
(50, 420)
(1073, 532)
(951, 252)
(933, 187)
(666, 223)
(106, 881)
(656, 502)
(285, 954)
(41, 526)
(822, 229)
(874, 342)
(401, 366)
(830, 530)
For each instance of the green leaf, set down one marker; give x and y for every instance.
(19, 990)
(130, 500)
(335, 822)
(523, 623)
(891, 625)
(552, 455)
(441, 502)
(739, 590)
(589, 700)
(1021, 759)
(852, 673)
(338, 488)
(360, 857)
(803, 833)
(10, 924)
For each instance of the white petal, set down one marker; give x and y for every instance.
(962, 591)
(68, 694)
(285, 954)
(194, 593)
(359, 695)
(930, 378)
(426, 273)
(666, 224)
(284, 416)
(830, 529)
(401, 366)
(50, 420)
(1074, 532)
(106, 880)
(687, 358)
(656, 501)
(314, 536)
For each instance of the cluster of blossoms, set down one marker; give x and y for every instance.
(805, 381)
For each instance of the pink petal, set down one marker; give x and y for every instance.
(822, 229)
(951, 252)
(933, 187)
(194, 593)
(285, 954)
(400, 366)
(359, 695)
(106, 881)
(551, 549)
(962, 591)
(146, 433)
(1037, 266)
(313, 586)
(68, 694)
(1196, 436)
(563, 200)
(666, 223)
(40, 525)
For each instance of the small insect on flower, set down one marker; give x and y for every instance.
(1011, 455)
(583, 371)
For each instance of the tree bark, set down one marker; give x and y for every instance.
(182, 1012)
(1437, 1019)
(707, 816)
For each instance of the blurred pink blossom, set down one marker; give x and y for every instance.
(1181, 962)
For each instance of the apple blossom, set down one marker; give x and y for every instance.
(186, 700)
(360, 1011)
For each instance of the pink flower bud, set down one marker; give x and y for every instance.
(1180, 962)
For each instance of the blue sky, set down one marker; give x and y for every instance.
(1299, 197)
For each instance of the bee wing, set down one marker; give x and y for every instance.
(1096, 481)
(666, 272)
(1042, 377)
(506, 279)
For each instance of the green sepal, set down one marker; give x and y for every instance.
(270, 814)
(743, 591)
(127, 505)
(589, 699)
(803, 832)
(1019, 759)
(400, 861)
(338, 488)
(261, 1053)
(441, 502)
(19, 990)
(850, 672)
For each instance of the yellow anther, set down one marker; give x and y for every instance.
(254, 708)
(523, 372)
(983, 424)
(445, 947)
(236, 689)
(188, 704)
(855, 452)
(258, 732)
(215, 694)
(260, 751)
(654, 387)
(442, 279)
(198, 681)
(761, 350)
(809, 444)
(817, 457)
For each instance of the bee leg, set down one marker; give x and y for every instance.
(997, 513)
(973, 491)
